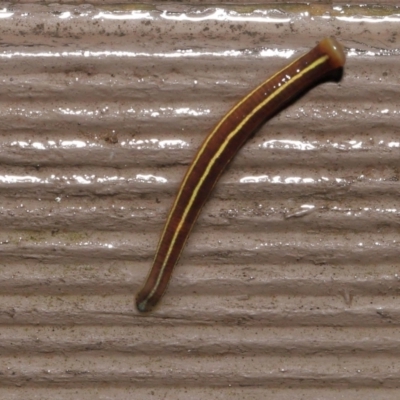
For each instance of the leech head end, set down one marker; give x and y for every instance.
(334, 50)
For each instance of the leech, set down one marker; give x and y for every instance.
(221, 145)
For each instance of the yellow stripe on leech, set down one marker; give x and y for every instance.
(210, 136)
(276, 92)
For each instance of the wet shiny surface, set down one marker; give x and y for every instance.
(290, 278)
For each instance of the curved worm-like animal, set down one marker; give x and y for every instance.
(221, 145)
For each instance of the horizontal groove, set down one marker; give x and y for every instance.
(91, 124)
(233, 370)
(147, 184)
(222, 341)
(197, 393)
(282, 311)
(310, 151)
(99, 215)
(212, 279)
(264, 248)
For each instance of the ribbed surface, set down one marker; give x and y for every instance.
(289, 285)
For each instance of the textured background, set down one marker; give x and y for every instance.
(289, 286)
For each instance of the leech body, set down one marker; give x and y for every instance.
(219, 148)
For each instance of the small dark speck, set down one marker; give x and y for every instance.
(111, 138)
(393, 38)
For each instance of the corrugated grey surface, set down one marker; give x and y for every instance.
(289, 286)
